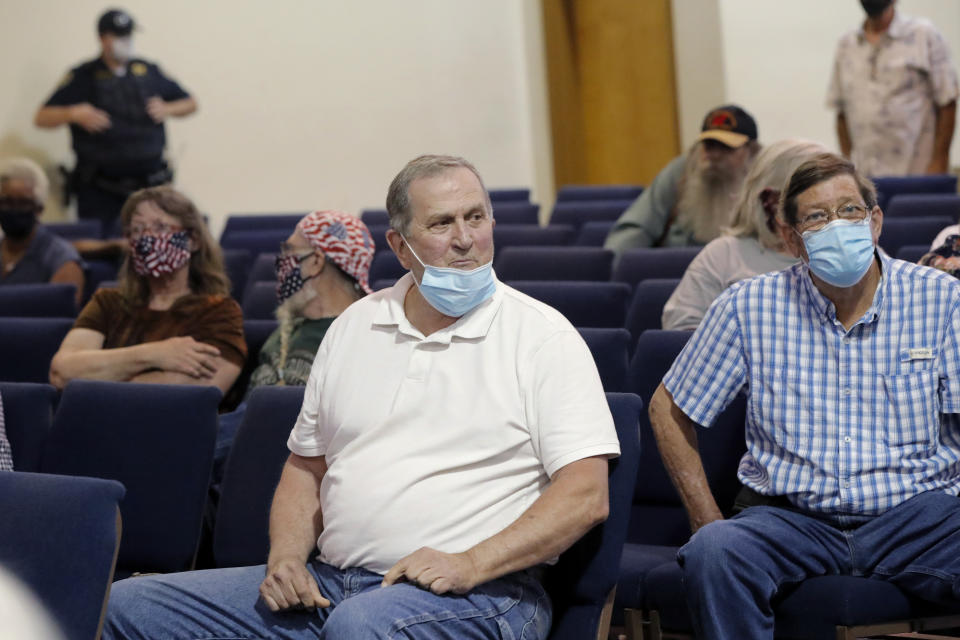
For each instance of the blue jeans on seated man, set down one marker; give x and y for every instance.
(733, 568)
(225, 604)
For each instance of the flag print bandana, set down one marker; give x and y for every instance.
(158, 254)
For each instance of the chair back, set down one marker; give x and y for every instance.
(579, 212)
(260, 300)
(897, 232)
(27, 417)
(158, 441)
(609, 348)
(261, 222)
(594, 234)
(646, 306)
(584, 304)
(255, 241)
(582, 582)
(526, 235)
(890, 186)
(912, 252)
(386, 265)
(378, 217)
(553, 263)
(645, 263)
(79, 230)
(236, 262)
(259, 451)
(911, 205)
(516, 212)
(510, 194)
(38, 301)
(571, 192)
(27, 346)
(60, 537)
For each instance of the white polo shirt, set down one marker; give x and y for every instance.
(444, 440)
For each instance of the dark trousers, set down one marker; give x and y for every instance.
(733, 568)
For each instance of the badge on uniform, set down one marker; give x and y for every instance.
(138, 69)
(919, 353)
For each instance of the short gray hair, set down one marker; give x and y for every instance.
(30, 172)
(426, 166)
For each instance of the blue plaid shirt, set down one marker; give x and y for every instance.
(839, 422)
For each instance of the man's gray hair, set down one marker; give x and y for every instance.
(426, 166)
(30, 172)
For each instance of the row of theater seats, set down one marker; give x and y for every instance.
(156, 445)
(170, 448)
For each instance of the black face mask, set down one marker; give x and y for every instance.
(875, 7)
(18, 223)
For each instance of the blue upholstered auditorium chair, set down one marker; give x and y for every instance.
(261, 222)
(255, 333)
(580, 584)
(60, 537)
(823, 607)
(579, 212)
(382, 283)
(516, 212)
(912, 252)
(646, 306)
(609, 348)
(646, 263)
(379, 234)
(28, 414)
(255, 241)
(385, 265)
(510, 194)
(594, 234)
(79, 230)
(527, 235)
(262, 269)
(95, 273)
(158, 441)
(38, 301)
(378, 217)
(236, 263)
(553, 263)
(260, 300)
(27, 346)
(573, 192)
(890, 186)
(897, 232)
(583, 303)
(253, 469)
(912, 205)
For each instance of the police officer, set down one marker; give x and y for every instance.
(115, 105)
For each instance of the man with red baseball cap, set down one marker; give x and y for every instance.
(691, 199)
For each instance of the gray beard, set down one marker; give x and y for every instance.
(707, 197)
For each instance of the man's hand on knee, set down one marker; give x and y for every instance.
(289, 585)
(434, 570)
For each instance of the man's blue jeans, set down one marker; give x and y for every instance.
(733, 568)
(225, 604)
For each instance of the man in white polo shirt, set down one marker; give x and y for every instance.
(454, 437)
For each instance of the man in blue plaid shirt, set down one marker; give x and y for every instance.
(852, 364)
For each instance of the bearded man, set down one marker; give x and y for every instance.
(691, 199)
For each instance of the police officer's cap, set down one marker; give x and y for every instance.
(115, 21)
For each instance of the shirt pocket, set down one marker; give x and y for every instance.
(912, 411)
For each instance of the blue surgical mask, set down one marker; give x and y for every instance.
(454, 292)
(841, 252)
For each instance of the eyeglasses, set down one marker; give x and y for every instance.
(158, 228)
(818, 218)
(285, 258)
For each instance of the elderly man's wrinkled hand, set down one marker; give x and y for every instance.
(434, 570)
(288, 585)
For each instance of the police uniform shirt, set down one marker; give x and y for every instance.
(134, 142)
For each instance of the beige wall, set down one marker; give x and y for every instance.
(306, 103)
(774, 57)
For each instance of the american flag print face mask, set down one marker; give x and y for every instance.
(289, 277)
(158, 254)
